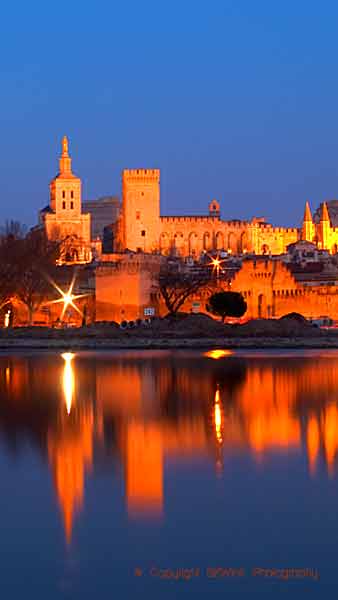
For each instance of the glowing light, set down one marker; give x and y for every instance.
(68, 380)
(7, 315)
(215, 263)
(67, 298)
(217, 354)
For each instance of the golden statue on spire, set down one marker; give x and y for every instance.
(64, 146)
(65, 161)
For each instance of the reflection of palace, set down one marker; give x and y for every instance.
(80, 410)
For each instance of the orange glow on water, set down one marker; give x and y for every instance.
(144, 467)
(263, 407)
(216, 354)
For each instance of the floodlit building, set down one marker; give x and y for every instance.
(63, 218)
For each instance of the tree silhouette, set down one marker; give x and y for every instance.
(33, 266)
(177, 284)
(227, 304)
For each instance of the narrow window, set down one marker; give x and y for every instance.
(143, 233)
(63, 204)
(72, 194)
(138, 215)
(63, 194)
(72, 204)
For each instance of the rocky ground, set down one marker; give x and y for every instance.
(182, 331)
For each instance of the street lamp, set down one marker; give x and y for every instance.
(67, 298)
(216, 265)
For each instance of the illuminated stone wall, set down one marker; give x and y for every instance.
(270, 290)
(125, 286)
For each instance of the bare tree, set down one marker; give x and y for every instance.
(177, 283)
(13, 229)
(33, 261)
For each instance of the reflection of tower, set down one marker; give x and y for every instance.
(265, 401)
(312, 442)
(144, 469)
(70, 454)
(70, 450)
(322, 439)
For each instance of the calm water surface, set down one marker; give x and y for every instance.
(139, 474)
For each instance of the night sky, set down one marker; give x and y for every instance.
(236, 100)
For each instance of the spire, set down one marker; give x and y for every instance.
(65, 161)
(324, 213)
(307, 213)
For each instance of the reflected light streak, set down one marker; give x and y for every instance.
(216, 354)
(218, 417)
(68, 380)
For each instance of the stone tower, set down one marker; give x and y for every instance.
(308, 228)
(65, 188)
(214, 209)
(63, 218)
(140, 220)
(324, 228)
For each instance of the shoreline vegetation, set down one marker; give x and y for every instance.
(182, 331)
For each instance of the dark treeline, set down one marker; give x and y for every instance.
(27, 264)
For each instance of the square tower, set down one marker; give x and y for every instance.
(141, 209)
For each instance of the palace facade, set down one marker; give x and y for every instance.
(140, 227)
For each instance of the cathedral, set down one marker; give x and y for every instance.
(63, 218)
(138, 225)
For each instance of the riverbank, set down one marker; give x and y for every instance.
(185, 331)
(80, 343)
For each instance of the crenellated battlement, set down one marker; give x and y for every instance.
(275, 230)
(137, 175)
(203, 219)
(173, 219)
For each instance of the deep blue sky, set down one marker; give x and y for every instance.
(236, 100)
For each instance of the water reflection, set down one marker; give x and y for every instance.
(145, 409)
